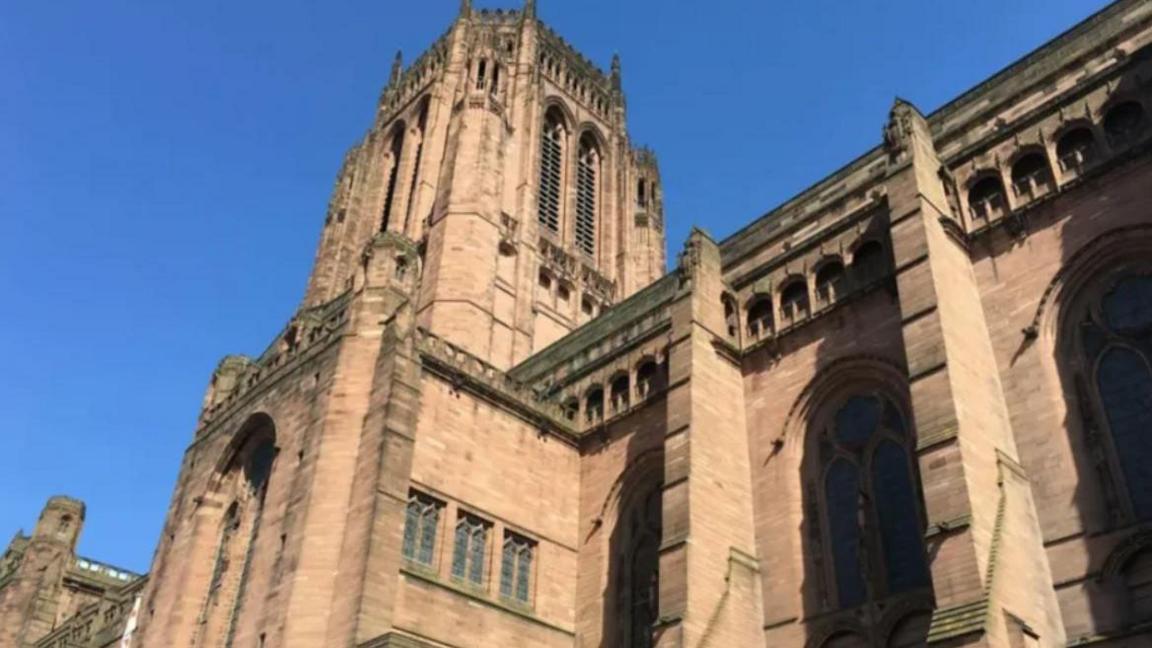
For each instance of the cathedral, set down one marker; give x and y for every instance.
(911, 406)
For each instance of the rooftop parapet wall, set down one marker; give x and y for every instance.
(957, 126)
(631, 319)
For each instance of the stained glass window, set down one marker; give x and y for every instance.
(857, 420)
(1129, 306)
(842, 488)
(1125, 385)
(872, 503)
(896, 507)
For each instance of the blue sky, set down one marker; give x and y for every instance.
(164, 169)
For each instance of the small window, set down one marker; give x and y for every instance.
(794, 302)
(1076, 149)
(570, 407)
(516, 567)
(421, 521)
(471, 548)
(1031, 176)
(640, 199)
(563, 292)
(587, 306)
(621, 398)
(480, 70)
(868, 262)
(594, 405)
(986, 199)
(760, 319)
(495, 87)
(830, 282)
(545, 281)
(1124, 122)
(646, 375)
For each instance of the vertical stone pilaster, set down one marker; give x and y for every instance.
(709, 587)
(369, 559)
(967, 454)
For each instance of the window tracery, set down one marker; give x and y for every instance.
(1115, 348)
(871, 502)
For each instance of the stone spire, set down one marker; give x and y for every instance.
(397, 68)
(465, 7)
(616, 72)
(529, 8)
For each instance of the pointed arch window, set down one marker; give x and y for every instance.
(549, 193)
(1116, 343)
(587, 175)
(643, 568)
(872, 504)
(395, 149)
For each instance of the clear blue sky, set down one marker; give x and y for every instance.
(165, 166)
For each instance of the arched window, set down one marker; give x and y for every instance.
(794, 302)
(594, 405)
(868, 262)
(646, 378)
(587, 175)
(421, 126)
(1114, 331)
(549, 196)
(1031, 176)
(986, 198)
(760, 319)
(244, 483)
(872, 505)
(830, 282)
(643, 568)
(1076, 149)
(640, 198)
(621, 396)
(394, 151)
(1124, 122)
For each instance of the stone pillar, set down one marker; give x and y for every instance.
(709, 581)
(988, 557)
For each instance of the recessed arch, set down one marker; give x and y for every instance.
(986, 198)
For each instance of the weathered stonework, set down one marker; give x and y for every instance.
(495, 420)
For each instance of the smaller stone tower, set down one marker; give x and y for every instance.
(32, 573)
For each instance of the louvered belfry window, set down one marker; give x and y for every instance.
(551, 172)
(587, 171)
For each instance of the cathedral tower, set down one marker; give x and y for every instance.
(504, 155)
